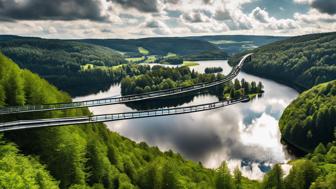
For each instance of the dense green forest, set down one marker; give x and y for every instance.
(160, 78)
(161, 46)
(233, 44)
(59, 60)
(301, 62)
(311, 118)
(174, 60)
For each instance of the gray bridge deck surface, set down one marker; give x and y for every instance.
(27, 124)
(123, 99)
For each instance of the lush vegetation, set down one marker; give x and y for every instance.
(305, 174)
(174, 59)
(317, 170)
(242, 88)
(19, 171)
(302, 61)
(213, 70)
(311, 118)
(160, 78)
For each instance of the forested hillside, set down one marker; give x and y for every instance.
(233, 44)
(302, 61)
(60, 61)
(311, 118)
(309, 124)
(158, 46)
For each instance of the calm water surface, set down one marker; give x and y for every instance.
(245, 135)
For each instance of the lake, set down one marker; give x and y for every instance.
(245, 135)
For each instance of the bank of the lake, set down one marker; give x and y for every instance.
(244, 135)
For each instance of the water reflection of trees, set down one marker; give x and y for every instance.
(176, 100)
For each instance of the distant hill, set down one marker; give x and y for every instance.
(60, 61)
(51, 52)
(233, 44)
(156, 46)
(301, 62)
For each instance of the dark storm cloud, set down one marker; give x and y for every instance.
(141, 5)
(51, 10)
(325, 6)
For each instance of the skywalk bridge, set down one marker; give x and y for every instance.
(28, 124)
(124, 99)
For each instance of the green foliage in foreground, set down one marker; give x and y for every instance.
(311, 118)
(316, 171)
(19, 171)
(302, 61)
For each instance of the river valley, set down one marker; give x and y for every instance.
(244, 135)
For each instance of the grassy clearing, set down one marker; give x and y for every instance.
(143, 51)
(190, 63)
(87, 66)
(135, 59)
(91, 66)
(151, 59)
(170, 55)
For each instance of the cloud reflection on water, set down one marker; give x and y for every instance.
(246, 131)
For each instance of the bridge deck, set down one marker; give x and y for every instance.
(26, 124)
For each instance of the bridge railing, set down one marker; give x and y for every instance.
(25, 124)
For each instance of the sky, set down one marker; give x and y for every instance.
(148, 18)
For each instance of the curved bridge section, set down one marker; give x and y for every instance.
(123, 99)
(27, 124)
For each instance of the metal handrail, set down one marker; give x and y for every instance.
(27, 124)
